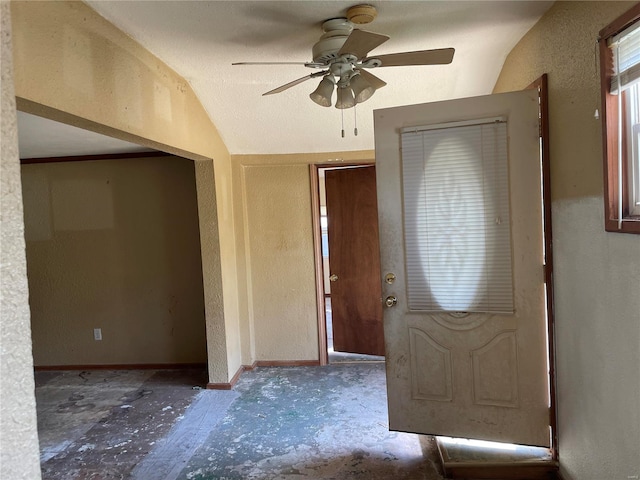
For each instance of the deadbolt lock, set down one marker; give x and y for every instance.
(390, 301)
(390, 278)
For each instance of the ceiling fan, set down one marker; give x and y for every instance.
(341, 54)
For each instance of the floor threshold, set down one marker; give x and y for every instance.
(463, 460)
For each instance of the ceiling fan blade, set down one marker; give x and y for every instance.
(374, 81)
(359, 43)
(286, 86)
(422, 57)
(269, 63)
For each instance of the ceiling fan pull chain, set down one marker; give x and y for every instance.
(355, 120)
(341, 111)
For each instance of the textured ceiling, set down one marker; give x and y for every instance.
(200, 40)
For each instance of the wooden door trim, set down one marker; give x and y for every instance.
(314, 178)
(89, 158)
(541, 84)
(529, 470)
(323, 355)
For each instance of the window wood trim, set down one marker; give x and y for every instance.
(610, 130)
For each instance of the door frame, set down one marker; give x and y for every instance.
(542, 85)
(314, 176)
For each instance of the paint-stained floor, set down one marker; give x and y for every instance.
(100, 424)
(277, 423)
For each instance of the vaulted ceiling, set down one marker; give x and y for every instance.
(201, 39)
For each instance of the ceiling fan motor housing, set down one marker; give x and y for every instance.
(337, 30)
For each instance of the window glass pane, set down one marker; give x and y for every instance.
(626, 53)
(632, 98)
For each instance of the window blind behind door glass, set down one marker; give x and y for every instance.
(456, 219)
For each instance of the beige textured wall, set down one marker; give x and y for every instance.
(280, 320)
(221, 367)
(228, 261)
(281, 252)
(18, 434)
(597, 274)
(75, 67)
(114, 244)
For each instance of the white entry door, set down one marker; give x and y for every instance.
(479, 372)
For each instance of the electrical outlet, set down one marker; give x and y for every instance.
(97, 334)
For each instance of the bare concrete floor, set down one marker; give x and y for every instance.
(278, 423)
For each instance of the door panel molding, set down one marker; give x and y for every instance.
(461, 321)
(435, 358)
(492, 376)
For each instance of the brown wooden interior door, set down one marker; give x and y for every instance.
(354, 260)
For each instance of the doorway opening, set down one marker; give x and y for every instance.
(347, 263)
(93, 277)
(342, 357)
(96, 280)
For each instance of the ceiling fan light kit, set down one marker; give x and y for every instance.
(341, 55)
(345, 99)
(322, 95)
(362, 89)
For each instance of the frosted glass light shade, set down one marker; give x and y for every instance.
(322, 94)
(361, 88)
(345, 98)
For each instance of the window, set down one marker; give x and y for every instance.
(632, 133)
(620, 79)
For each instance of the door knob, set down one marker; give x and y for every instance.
(333, 278)
(390, 301)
